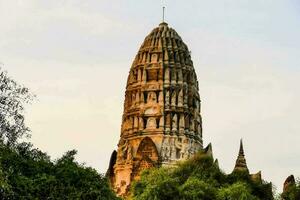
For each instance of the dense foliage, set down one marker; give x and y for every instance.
(12, 99)
(198, 178)
(28, 173)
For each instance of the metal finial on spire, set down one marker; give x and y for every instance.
(163, 19)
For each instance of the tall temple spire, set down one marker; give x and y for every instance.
(161, 121)
(241, 164)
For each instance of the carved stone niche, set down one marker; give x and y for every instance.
(152, 75)
(147, 149)
(151, 98)
(151, 123)
(154, 58)
(146, 157)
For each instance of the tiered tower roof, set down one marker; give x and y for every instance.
(161, 122)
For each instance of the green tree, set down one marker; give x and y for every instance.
(236, 191)
(5, 188)
(13, 98)
(28, 173)
(198, 179)
(156, 184)
(195, 188)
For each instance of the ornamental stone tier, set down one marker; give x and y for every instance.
(161, 123)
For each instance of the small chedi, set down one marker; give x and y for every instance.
(241, 165)
(161, 123)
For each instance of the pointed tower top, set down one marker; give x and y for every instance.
(241, 151)
(163, 23)
(241, 164)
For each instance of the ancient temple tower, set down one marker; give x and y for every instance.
(240, 164)
(161, 123)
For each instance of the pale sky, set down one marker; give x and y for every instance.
(75, 56)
